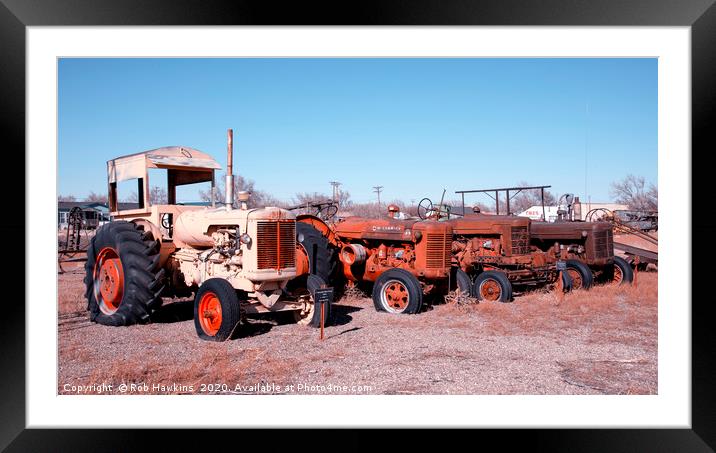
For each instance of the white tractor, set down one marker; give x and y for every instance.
(237, 261)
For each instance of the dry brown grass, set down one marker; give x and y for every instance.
(70, 296)
(605, 308)
(598, 341)
(212, 365)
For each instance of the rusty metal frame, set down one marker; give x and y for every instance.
(507, 190)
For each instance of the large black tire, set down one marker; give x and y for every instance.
(217, 310)
(581, 275)
(322, 257)
(461, 281)
(123, 281)
(397, 291)
(622, 272)
(312, 317)
(492, 286)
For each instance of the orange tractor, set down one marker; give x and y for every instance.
(237, 261)
(403, 259)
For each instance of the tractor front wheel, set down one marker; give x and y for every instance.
(122, 276)
(492, 286)
(581, 275)
(217, 312)
(622, 272)
(397, 291)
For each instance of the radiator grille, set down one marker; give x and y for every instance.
(276, 244)
(438, 251)
(520, 241)
(603, 244)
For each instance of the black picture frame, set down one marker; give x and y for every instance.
(700, 15)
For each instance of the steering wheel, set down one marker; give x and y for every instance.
(327, 212)
(424, 207)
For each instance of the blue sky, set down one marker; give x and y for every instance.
(414, 126)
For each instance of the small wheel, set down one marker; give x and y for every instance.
(581, 275)
(424, 207)
(217, 310)
(492, 286)
(397, 291)
(622, 272)
(462, 282)
(309, 316)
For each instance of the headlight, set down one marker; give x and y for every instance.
(245, 239)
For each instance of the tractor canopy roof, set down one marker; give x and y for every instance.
(181, 159)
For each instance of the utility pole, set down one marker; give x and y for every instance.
(335, 185)
(378, 189)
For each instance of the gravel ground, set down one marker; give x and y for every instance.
(603, 341)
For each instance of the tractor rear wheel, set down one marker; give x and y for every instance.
(310, 316)
(492, 286)
(322, 258)
(122, 276)
(217, 310)
(581, 275)
(397, 291)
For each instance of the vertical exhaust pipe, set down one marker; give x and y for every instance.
(229, 201)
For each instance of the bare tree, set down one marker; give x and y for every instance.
(258, 198)
(344, 199)
(95, 197)
(528, 198)
(456, 206)
(633, 192)
(370, 210)
(131, 198)
(157, 195)
(66, 198)
(307, 197)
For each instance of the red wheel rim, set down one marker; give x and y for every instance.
(490, 290)
(108, 280)
(210, 313)
(395, 296)
(618, 275)
(576, 278)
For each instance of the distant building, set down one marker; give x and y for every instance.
(535, 212)
(95, 213)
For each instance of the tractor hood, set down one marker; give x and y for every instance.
(193, 227)
(485, 223)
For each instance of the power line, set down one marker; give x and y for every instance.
(335, 185)
(586, 146)
(378, 189)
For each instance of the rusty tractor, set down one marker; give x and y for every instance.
(588, 248)
(236, 261)
(403, 259)
(492, 253)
